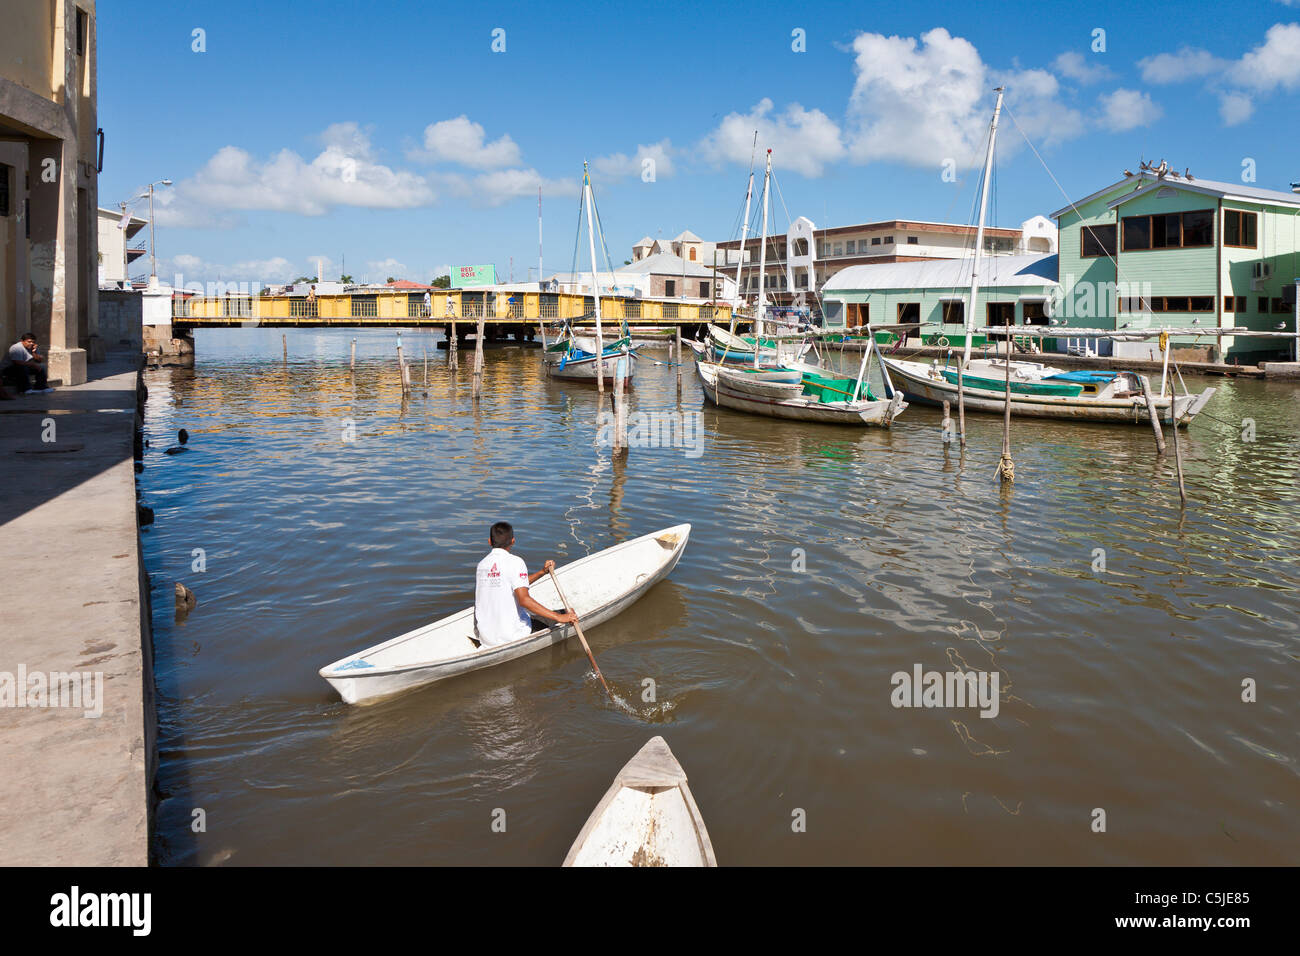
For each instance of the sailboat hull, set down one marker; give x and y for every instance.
(794, 406)
(915, 380)
(583, 369)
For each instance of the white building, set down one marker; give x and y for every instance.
(685, 244)
(119, 247)
(659, 275)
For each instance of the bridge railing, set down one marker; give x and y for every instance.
(459, 305)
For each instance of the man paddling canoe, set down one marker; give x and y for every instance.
(504, 610)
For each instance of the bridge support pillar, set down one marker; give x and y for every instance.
(167, 345)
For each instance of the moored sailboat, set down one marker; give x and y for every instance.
(1031, 388)
(587, 358)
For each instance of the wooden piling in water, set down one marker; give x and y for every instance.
(961, 407)
(946, 425)
(1173, 426)
(284, 342)
(453, 349)
(1155, 415)
(1178, 457)
(401, 368)
(620, 405)
(352, 360)
(678, 351)
(426, 369)
(478, 360)
(1007, 467)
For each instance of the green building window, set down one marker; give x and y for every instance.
(1239, 229)
(1182, 303)
(1097, 241)
(1176, 230)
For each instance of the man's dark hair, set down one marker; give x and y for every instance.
(501, 534)
(25, 336)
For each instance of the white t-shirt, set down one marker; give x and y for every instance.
(498, 618)
(17, 353)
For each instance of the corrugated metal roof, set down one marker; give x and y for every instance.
(994, 272)
(1144, 181)
(664, 263)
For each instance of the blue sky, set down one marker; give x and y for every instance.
(394, 136)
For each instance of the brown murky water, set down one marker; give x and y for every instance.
(822, 561)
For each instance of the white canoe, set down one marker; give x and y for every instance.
(598, 586)
(647, 818)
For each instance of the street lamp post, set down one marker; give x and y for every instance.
(153, 256)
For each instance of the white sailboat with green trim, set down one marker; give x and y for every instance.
(1032, 388)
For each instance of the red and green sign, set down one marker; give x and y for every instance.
(465, 276)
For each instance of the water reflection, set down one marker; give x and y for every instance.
(821, 561)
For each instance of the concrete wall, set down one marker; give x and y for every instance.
(48, 96)
(27, 45)
(121, 317)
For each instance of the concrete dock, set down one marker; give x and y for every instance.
(76, 788)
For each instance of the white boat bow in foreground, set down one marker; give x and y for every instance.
(647, 818)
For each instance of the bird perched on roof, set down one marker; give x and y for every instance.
(1187, 174)
(1128, 172)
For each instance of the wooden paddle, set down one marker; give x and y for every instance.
(582, 637)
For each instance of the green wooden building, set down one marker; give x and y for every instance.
(1179, 251)
(1169, 251)
(930, 296)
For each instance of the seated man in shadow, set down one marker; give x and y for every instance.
(24, 367)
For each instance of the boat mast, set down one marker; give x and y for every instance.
(744, 233)
(760, 310)
(979, 234)
(595, 281)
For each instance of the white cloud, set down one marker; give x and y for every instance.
(184, 269)
(348, 138)
(1235, 108)
(1274, 64)
(1075, 66)
(621, 165)
(499, 186)
(345, 173)
(801, 140)
(464, 142)
(387, 267)
(1271, 66)
(1186, 64)
(1127, 109)
(925, 102)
